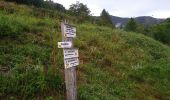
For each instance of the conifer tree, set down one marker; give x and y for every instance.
(105, 19)
(131, 25)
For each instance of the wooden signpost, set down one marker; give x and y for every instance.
(70, 59)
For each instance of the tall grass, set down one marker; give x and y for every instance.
(114, 65)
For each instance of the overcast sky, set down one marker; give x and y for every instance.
(125, 8)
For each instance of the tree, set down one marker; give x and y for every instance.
(53, 6)
(131, 25)
(105, 19)
(161, 32)
(80, 10)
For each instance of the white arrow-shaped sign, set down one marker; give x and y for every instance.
(64, 44)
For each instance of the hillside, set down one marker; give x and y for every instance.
(114, 64)
(144, 20)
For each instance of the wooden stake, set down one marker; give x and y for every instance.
(70, 74)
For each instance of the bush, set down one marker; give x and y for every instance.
(161, 32)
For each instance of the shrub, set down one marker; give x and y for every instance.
(161, 32)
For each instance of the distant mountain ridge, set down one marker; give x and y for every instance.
(144, 20)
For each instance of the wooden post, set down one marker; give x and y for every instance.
(70, 80)
(70, 73)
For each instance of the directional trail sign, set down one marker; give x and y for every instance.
(70, 53)
(70, 59)
(64, 44)
(69, 31)
(71, 62)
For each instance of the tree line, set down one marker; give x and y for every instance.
(41, 4)
(83, 13)
(160, 32)
(79, 10)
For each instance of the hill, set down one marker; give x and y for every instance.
(114, 64)
(144, 20)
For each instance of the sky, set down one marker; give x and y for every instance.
(125, 8)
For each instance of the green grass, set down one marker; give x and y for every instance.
(122, 65)
(114, 65)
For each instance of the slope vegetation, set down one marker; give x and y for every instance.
(115, 65)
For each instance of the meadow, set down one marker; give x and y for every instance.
(114, 64)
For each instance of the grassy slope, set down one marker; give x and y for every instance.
(114, 64)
